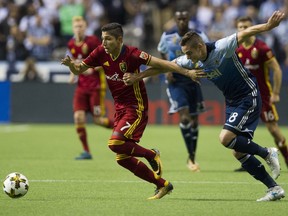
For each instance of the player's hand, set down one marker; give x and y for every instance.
(275, 98)
(196, 74)
(275, 19)
(66, 61)
(130, 78)
(169, 77)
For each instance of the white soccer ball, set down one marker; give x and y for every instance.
(15, 185)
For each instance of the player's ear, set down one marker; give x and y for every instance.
(120, 39)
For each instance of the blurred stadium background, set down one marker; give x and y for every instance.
(49, 98)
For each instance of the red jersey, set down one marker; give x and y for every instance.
(254, 58)
(129, 60)
(91, 79)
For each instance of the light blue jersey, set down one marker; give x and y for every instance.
(224, 69)
(239, 86)
(183, 92)
(170, 45)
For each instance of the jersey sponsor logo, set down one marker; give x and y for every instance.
(144, 55)
(114, 77)
(123, 66)
(213, 74)
(254, 53)
(250, 66)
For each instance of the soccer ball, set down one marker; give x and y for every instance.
(15, 185)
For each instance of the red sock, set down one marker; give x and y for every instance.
(141, 170)
(81, 131)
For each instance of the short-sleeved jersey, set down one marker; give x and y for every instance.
(129, 60)
(255, 58)
(169, 45)
(91, 79)
(224, 69)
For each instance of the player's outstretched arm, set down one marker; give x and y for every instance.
(131, 78)
(165, 66)
(272, 22)
(74, 68)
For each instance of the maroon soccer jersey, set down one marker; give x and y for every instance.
(129, 60)
(254, 59)
(91, 79)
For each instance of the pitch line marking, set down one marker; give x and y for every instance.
(116, 182)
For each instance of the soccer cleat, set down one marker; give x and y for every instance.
(240, 169)
(194, 167)
(273, 162)
(84, 156)
(274, 193)
(156, 164)
(160, 192)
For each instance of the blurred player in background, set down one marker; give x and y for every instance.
(259, 59)
(90, 92)
(131, 103)
(184, 94)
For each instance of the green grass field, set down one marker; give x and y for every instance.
(59, 185)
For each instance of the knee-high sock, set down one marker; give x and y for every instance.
(141, 170)
(194, 132)
(256, 169)
(81, 131)
(187, 134)
(245, 145)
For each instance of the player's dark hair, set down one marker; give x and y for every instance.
(114, 29)
(244, 19)
(192, 38)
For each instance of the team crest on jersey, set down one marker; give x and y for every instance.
(254, 53)
(72, 50)
(84, 49)
(123, 67)
(144, 55)
(240, 55)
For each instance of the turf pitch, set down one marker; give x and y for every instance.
(59, 185)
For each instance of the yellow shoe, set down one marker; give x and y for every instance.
(156, 164)
(159, 193)
(194, 167)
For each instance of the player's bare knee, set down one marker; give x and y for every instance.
(79, 117)
(223, 139)
(184, 121)
(238, 155)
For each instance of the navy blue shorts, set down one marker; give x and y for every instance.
(185, 95)
(242, 116)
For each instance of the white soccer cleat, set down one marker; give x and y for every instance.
(273, 162)
(273, 194)
(194, 167)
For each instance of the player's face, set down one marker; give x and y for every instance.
(182, 20)
(243, 25)
(79, 28)
(194, 53)
(111, 44)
